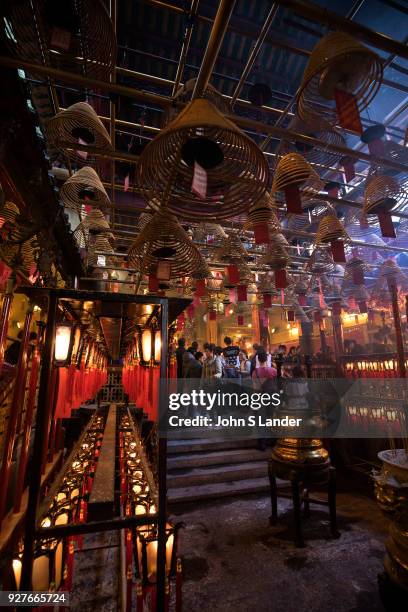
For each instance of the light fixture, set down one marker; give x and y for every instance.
(147, 541)
(157, 346)
(63, 345)
(146, 346)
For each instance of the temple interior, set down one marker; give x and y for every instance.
(204, 305)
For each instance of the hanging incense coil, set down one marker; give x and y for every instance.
(293, 173)
(355, 269)
(331, 231)
(231, 250)
(263, 219)
(202, 272)
(94, 222)
(234, 171)
(318, 154)
(203, 230)
(9, 212)
(383, 194)
(184, 95)
(341, 68)
(276, 257)
(72, 36)
(84, 188)
(101, 245)
(78, 124)
(321, 262)
(164, 244)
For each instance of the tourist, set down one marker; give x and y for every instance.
(231, 361)
(264, 376)
(212, 366)
(244, 368)
(180, 350)
(193, 348)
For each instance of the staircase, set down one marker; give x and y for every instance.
(201, 469)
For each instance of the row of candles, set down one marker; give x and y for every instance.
(139, 497)
(381, 419)
(54, 558)
(372, 368)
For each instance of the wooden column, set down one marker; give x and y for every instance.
(41, 429)
(338, 336)
(392, 288)
(15, 409)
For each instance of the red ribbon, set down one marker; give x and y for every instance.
(280, 279)
(293, 200)
(347, 110)
(337, 248)
(242, 293)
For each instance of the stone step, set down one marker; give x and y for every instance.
(224, 473)
(226, 457)
(208, 444)
(217, 490)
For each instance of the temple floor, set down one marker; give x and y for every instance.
(234, 561)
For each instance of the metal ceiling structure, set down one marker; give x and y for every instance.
(231, 45)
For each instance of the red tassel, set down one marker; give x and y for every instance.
(163, 270)
(337, 248)
(233, 274)
(213, 315)
(336, 308)
(363, 306)
(358, 276)
(386, 225)
(261, 233)
(302, 300)
(348, 167)
(291, 315)
(347, 110)
(242, 293)
(200, 287)
(267, 300)
(153, 283)
(293, 201)
(240, 320)
(280, 279)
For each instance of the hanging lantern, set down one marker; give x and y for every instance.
(147, 350)
(84, 188)
(383, 194)
(331, 231)
(147, 542)
(164, 246)
(341, 79)
(63, 343)
(157, 346)
(293, 173)
(206, 150)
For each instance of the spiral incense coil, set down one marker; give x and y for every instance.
(236, 169)
(276, 258)
(163, 239)
(209, 229)
(231, 250)
(354, 270)
(29, 252)
(9, 212)
(266, 285)
(96, 221)
(341, 62)
(323, 131)
(184, 95)
(383, 194)
(84, 188)
(330, 229)
(77, 123)
(73, 36)
(321, 262)
(101, 245)
(202, 272)
(389, 269)
(294, 171)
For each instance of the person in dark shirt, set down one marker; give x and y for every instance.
(230, 353)
(193, 348)
(195, 366)
(180, 350)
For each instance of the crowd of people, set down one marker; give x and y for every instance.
(231, 361)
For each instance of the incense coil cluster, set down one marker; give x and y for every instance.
(84, 188)
(294, 170)
(77, 36)
(330, 229)
(263, 211)
(163, 239)
(209, 229)
(236, 169)
(266, 285)
(338, 60)
(354, 271)
(9, 212)
(383, 194)
(78, 122)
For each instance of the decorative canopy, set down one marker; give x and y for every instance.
(232, 172)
